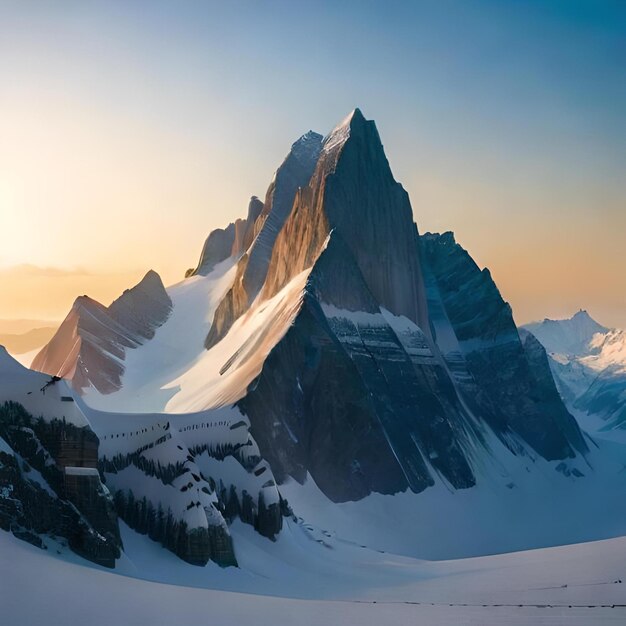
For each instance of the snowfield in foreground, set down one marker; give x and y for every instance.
(579, 585)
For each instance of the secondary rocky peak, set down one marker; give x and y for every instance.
(232, 241)
(582, 316)
(294, 173)
(86, 302)
(567, 336)
(143, 308)
(151, 277)
(89, 345)
(255, 206)
(246, 229)
(306, 148)
(476, 335)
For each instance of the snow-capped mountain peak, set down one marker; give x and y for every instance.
(588, 361)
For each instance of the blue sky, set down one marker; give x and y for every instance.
(504, 121)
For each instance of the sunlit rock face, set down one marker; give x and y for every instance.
(294, 173)
(232, 241)
(353, 192)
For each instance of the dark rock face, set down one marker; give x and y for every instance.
(36, 498)
(345, 398)
(295, 172)
(353, 192)
(403, 354)
(310, 412)
(90, 344)
(196, 546)
(519, 393)
(546, 388)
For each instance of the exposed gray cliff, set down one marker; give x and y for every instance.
(518, 392)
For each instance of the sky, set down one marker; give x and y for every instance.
(130, 130)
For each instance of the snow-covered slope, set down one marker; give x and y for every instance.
(589, 365)
(176, 346)
(351, 367)
(575, 585)
(182, 479)
(380, 373)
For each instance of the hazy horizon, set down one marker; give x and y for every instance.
(129, 132)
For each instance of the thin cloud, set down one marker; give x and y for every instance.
(27, 269)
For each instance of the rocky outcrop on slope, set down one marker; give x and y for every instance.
(247, 229)
(182, 479)
(232, 241)
(294, 173)
(519, 394)
(89, 346)
(143, 308)
(50, 489)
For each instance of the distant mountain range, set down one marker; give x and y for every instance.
(19, 343)
(323, 364)
(588, 361)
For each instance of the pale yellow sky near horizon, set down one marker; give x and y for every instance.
(538, 270)
(89, 209)
(129, 132)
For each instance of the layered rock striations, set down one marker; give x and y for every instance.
(50, 489)
(402, 356)
(182, 479)
(89, 346)
(354, 396)
(517, 392)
